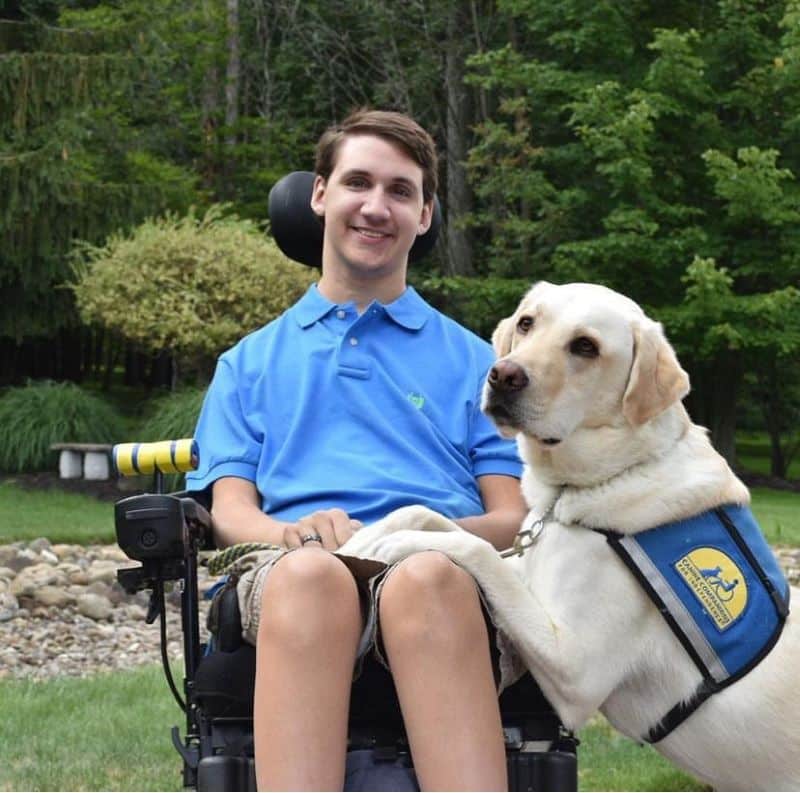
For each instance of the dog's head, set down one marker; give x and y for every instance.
(579, 356)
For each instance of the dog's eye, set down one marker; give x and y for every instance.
(524, 324)
(584, 347)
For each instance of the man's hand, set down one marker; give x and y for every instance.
(330, 528)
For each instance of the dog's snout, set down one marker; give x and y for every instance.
(508, 376)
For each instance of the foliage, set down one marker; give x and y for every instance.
(69, 165)
(172, 416)
(39, 414)
(618, 143)
(667, 171)
(191, 285)
(477, 303)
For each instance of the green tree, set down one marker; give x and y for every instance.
(654, 149)
(73, 165)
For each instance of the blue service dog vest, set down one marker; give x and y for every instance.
(720, 588)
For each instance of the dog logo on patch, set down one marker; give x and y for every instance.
(716, 582)
(417, 400)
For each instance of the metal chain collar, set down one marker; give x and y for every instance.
(528, 534)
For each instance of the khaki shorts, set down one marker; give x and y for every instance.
(249, 574)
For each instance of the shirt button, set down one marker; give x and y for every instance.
(341, 314)
(353, 341)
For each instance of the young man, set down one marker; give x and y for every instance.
(361, 399)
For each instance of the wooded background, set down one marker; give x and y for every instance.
(652, 147)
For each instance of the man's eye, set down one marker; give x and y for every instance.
(402, 192)
(357, 182)
(524, 324)
(584, 347)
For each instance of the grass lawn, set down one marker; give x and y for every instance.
(111, 732)
(610, 761)
(59, 516)
(778, 513)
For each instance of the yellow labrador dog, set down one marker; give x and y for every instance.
(592, 390)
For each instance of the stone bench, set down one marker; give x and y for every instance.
(87, 460)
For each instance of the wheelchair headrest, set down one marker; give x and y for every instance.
(298, 231)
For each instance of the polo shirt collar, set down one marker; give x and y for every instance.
(311, 307)
(409, 310)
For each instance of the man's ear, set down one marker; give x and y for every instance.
(425, 218)
(502, 337)
(656, 380)
(318, 196)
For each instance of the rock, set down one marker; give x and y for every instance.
(39, 544)
(32, 578)
(7, 553)
(53, 596)
(21, 559)
(48, 556)
(95, 607)
(9, 607)
(102, 570)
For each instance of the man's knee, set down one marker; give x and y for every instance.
(426, 591)
(309, 595)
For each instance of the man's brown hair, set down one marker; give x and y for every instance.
(395, 128)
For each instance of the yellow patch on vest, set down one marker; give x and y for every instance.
(716, 582)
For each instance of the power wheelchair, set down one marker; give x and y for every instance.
(167, 532)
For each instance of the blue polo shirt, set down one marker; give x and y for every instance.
(325, 408)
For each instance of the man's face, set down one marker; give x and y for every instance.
(373, 207)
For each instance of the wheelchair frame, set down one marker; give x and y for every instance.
(166, 532)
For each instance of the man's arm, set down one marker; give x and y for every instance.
(237, 514)
(238, 518)
(505, 511)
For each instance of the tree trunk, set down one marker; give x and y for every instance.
(232, 76)
(712, 402)
(769, 392)
(210, 107)
(459, 198)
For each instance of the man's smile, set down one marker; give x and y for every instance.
(373, 234)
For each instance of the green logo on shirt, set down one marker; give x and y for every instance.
(417, 400)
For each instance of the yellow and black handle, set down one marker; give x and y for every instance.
(165, 457)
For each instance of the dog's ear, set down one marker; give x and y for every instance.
(656, 380)
(502, 337)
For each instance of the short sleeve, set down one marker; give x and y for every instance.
(227, 444)
(490, 452)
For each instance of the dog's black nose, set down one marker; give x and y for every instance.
(507, 376)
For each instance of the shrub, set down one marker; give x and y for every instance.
(172, 416)
(189, 285)
(34, 416)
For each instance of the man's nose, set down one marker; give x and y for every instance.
(508, 376)
(375, 204)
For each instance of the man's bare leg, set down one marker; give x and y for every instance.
(436, 640)
(307, 640)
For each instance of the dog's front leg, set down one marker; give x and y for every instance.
(421, 519)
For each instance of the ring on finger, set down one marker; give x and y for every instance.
(310, 538)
